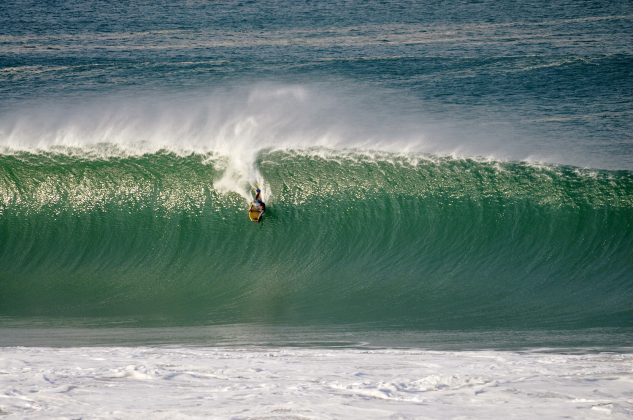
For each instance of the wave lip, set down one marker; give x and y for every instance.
(239, 123)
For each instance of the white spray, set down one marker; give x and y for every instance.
(236, 124)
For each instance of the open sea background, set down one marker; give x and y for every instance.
(439, 177)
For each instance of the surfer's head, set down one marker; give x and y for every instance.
(258, 190)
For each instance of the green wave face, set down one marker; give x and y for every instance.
(412, 241)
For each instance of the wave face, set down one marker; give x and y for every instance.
(349, 237)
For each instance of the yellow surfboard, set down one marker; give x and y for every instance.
(254, 214)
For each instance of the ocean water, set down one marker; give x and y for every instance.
(449, 224)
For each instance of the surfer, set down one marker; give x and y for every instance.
(258, 204)
(258, 200)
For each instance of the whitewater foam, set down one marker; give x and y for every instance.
(105, 382)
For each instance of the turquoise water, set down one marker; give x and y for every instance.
(427, 166)
(402, 241)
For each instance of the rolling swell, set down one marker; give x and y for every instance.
(349, 237)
